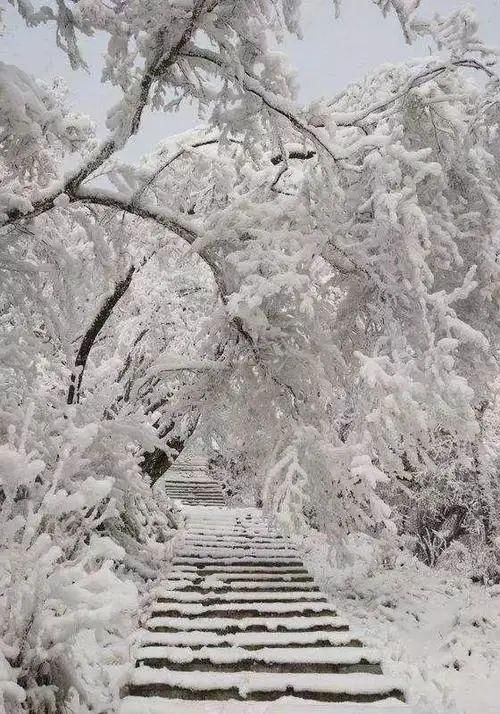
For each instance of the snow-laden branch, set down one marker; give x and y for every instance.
(182, 151)
(130, 113)
(271, 101)
(348, 119)
(122, 202)
(177, 363)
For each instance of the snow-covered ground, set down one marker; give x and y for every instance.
(440, 633)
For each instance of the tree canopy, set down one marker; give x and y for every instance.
(311, 292)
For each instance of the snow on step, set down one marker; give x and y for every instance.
(283, 705)
(239, 617)
(222, 551)
(248, 683)
(236, 560)
(226, 541)
(232, 553)
(200, 638)
(211, 528)
(237, 608)
(206, 585)
(249, 570)
(252, 569)
(238, 548)
(214, 521)
(227, 544)
(237, 596)
(245, 623)
(268, 655)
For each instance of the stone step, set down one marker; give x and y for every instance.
(216, 523)
(232, 542)
(192, 495)
(237, 596)
(206, 561)
(283, 705)
(218, 587)
(253, 623)
(240, 540)
(201, 493)
(241, 572)
(211, 528)
(253, 569)
(222, 517)
(198, 541)
(261, 578)
(228, 534)
(244, 609)
(251, 640)
(206, 497)
(219, 529)
(236, 552)
(252, 538)
(189, 479)
(191, 483)
(189, 493)
(265, 659)
(190, 489)
(200, 501)
(223, 547)
(356, 687)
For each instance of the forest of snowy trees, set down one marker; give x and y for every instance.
(309, 294)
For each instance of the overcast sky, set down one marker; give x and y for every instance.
(331, 54)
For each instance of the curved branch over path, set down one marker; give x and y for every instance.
(158, 64)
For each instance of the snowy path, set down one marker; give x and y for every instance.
(239, 626)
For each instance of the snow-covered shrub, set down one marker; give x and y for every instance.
(68, 598)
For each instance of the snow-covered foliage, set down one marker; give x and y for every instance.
(312, 291)
(438, 631)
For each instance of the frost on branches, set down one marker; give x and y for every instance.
(311, 292)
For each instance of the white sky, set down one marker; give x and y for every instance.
(331, 54)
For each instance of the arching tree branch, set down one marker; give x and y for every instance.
(271, 101)
(157, 65)
(349, 119)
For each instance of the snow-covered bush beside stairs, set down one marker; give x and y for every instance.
(69, 589)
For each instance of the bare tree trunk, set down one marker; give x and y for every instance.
(156, 462)
(93, 331)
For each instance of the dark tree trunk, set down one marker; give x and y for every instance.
(156, 462)
(93, 331)
(436, 533)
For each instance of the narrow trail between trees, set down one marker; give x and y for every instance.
(239, 623)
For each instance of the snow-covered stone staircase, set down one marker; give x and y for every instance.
(240, 618)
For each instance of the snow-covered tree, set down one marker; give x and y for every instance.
(311, 291)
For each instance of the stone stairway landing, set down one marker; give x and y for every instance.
(239, 618)
(188, 481)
